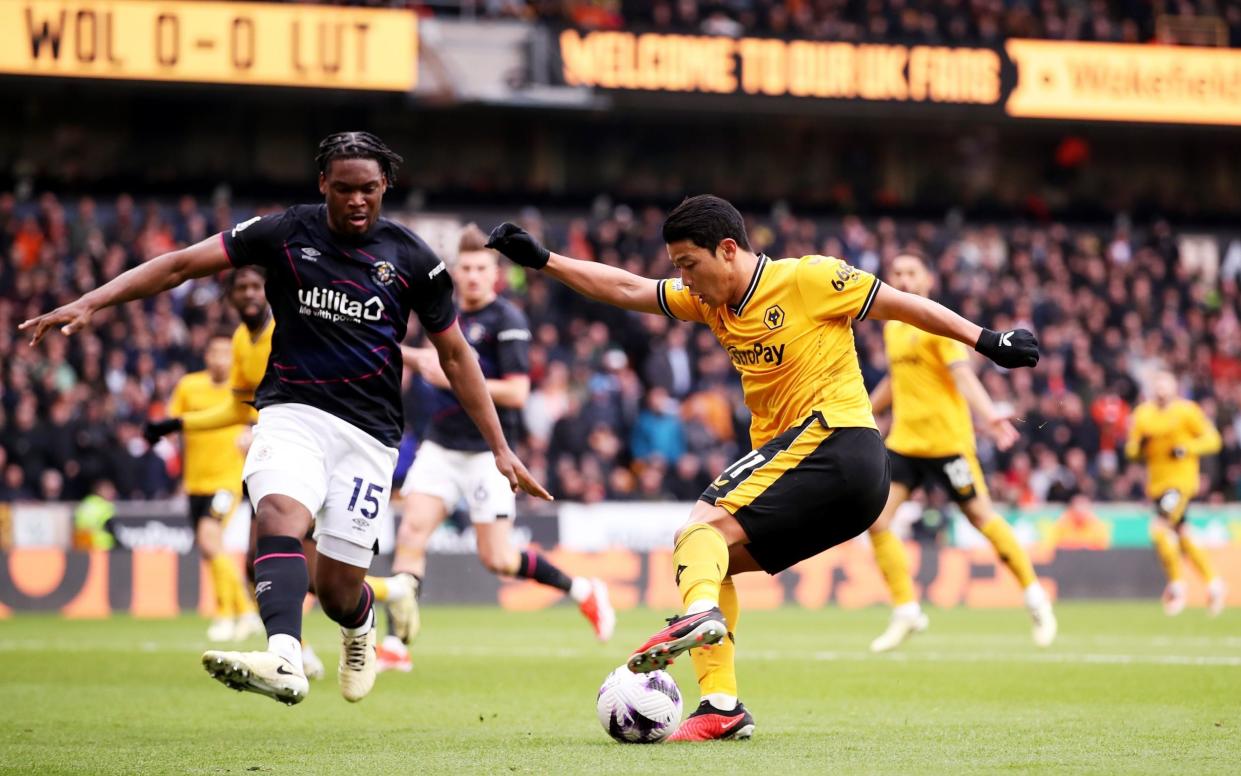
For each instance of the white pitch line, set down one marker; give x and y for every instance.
(525, 652)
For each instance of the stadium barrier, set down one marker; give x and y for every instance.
(165, 583)
(155, 572)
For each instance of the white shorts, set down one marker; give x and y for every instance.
(340, 473)
(454, 476)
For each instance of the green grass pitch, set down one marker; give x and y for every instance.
(1125, 690)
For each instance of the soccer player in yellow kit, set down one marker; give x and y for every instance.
(931, 388)
(213, 460)
(818, 473)
(1170, 434)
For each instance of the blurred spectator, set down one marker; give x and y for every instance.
(1080, 529)
(658, 431)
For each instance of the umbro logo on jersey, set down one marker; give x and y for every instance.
(310, 254)
(336, 306)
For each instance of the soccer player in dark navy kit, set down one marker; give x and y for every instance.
(454, 465)
(342, 283)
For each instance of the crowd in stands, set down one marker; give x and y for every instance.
(931, 21)
(629, 406)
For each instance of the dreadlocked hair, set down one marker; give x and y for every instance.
(358, 145)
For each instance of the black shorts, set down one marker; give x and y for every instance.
(809, 489)
(215, 506)
(1172, 505)
(959, 475)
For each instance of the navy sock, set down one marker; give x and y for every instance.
(357, 618)
(280, 580)
(534, 566)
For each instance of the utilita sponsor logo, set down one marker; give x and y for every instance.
(335, 306)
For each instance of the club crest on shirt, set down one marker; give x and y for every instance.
(383, 273)
(475, 331)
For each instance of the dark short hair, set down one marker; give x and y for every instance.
(705, 221)
(358, 145)
(917, 253)
(230, 280)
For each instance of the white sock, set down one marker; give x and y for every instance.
(362, 629)
(286, 647)
(701, 605)
(721, 701)
(907, 611)
(581, 589)
(1035, 596)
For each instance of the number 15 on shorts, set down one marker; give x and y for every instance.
(373, 491)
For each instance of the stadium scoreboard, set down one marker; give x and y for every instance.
(262, 44)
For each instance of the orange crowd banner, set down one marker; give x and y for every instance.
(262, 44)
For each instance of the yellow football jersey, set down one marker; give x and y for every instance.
(250, 358)
(212, 459)
(1158, 431)
(791, 340)
(930, 417)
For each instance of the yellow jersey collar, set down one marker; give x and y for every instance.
(749, 292)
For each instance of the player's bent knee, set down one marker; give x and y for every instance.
(281, 516)
(717, 517)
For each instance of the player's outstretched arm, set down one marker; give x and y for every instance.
(159, 274)
(1010, 349)
(466, 379)
(600, 282)
(998, 425)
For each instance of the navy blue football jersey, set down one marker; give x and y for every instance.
(500, 337)
(341, 307)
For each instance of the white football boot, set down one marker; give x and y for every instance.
(265, 673)
(406, 619)
(1174, 598)
(220, 630)
(315, 670)
(247, 626)
(1216, 595)
(356, 673)
(904, 623)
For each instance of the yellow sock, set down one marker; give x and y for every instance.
(716, 667)
(1014, 556)
(700, 558)
(1197, 557)
(222, 574)
(1168, 552)
(380, 587)
(894, 565)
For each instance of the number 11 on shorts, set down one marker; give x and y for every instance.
(372, 491)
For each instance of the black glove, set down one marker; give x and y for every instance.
(517, 244)
(1009, 349)
(154, 430)
(1178, 452)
